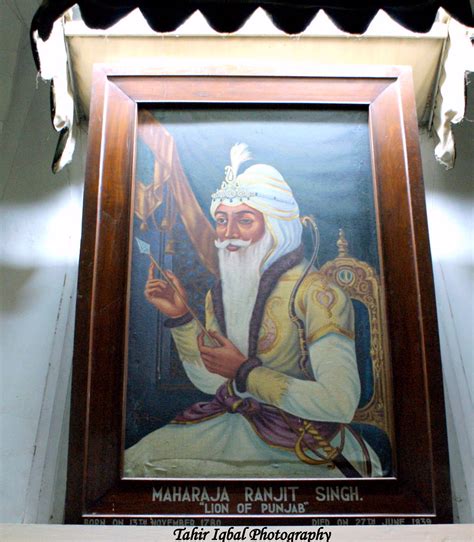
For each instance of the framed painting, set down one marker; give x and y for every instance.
(255, 332)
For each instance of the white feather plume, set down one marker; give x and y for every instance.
(239, 154)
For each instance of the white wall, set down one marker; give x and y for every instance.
(39, 228)
(450, 207)
(40, 225)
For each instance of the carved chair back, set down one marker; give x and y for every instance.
(362, 284)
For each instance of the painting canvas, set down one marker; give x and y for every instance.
(257, 343)
(255, 338)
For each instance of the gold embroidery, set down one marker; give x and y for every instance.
(314, 281)
(329, 328)
(321, 443)
(271, 328)
(270, 386)
(289, 278)
(326, 298)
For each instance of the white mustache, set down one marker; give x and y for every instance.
(233, 242)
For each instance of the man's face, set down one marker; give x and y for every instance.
(239, 222)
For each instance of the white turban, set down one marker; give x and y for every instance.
(263, 188)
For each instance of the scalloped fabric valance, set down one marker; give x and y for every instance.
(227, 16)
(289, 16)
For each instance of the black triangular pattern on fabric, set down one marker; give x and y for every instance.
(226, 20)
(95, 17)
(417, 21)
(353, 21)
(291, 21)
(169, 17)
(229, 15)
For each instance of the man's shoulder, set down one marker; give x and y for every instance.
(317, 281)
(316, 290)
(312, 278)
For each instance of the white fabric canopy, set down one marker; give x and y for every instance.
(458, 58)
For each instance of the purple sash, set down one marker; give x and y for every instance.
(272, 425)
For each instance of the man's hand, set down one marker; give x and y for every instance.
(162, 296)
(224, 359)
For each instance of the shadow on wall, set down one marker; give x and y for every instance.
(16, 297)
(458, 181)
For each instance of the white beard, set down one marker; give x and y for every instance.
(240, 276)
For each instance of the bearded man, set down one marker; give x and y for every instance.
(282, 366)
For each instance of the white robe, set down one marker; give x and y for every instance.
(228, 447)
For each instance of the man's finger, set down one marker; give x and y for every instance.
(205, 351)
(210, 366)
(151, 269)
(208, 361)
(200, 341)
(219, 338)
(156, 285)
(209, 350)
(210, 357)
(175, 280)
(156, 292)
(201, 338)
(156, 282)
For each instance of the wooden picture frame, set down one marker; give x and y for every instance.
(407, 400)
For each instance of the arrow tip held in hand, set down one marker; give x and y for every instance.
(142, 246)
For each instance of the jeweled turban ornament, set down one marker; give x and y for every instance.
(230, 188)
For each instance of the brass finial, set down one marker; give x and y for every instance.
(165, 223)
(342, 244)
(169, 249)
